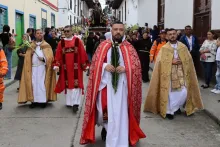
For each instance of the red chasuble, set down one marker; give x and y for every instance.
(72, 60)
(133, 74)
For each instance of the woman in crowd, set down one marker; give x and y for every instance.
(143, 47)
(21, 54)
(207, 57)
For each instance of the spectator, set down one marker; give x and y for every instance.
(155, 33)
(90, 45)
(143, 47)
(62, 36)
(32, 35)
(157, 45)
(179, 33)
(140, 33)
(29, 33)
(13, 34)
(217, 86)
(108, 34)
(21, 55)
(53, 41)
(8, 44)
(207, 57)
(191, 42)
(128, 38)
(47, 35)
(101, 39)
(134, 41)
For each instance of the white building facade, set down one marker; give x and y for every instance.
(23, 14)
(72, 12)
(168, 13)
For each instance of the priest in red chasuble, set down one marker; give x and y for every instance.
(71, 60)
(114, 93)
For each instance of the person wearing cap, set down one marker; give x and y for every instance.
(158, 43)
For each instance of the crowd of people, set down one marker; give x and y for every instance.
(117, 62)
(148, 43)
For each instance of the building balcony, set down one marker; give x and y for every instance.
(116, 4)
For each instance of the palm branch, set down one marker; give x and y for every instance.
(115, 62)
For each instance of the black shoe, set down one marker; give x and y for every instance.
(32, 105)
(103, 134)
(178, 112)
(17, 89)
(146, 81)
(0, 106)
(205, 86)
(75, 108)
(170, 117)
(43, 105)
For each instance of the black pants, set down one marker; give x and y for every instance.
(145, 61)
(208, 71)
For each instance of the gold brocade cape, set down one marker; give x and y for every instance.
(157, 97)
(26, 90)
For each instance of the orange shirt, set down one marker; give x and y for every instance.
(3, 72)
(155, 49)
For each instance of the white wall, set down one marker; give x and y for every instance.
(178, 13)
(32, 7)
(63, 13)
(131, 12)
(85, 9)
(147, 12)
(139, 11)
(215, 14)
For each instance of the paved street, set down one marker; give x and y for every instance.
(57, 126)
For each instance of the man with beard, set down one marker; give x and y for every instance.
(38, 78)
(114, 94)
(174, 83)
(143, 47)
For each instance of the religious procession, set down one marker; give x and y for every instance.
(100, 82)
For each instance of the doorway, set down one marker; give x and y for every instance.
(19, 28)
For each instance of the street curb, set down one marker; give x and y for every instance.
(212, 116)
(10, 83)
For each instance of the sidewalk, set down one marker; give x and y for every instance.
(11, 81)
(210, 100)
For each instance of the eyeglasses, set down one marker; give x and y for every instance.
(66, 31)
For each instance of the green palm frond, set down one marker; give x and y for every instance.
(24, 44)
(115, 62)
